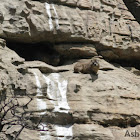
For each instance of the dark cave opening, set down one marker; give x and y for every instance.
(36, 52)
(126, 63)
(45, 52)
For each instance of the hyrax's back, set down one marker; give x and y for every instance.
(78, 67)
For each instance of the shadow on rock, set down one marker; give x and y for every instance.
(93, 77)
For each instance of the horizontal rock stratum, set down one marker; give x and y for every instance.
(41, 41)
(107, 24)
(102, 106)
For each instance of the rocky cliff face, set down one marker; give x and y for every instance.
(41, 42)
(107, 25)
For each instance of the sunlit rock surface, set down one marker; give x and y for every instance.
(71, 106)
(107, 24)
(76, 106)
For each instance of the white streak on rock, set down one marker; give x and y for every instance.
(56, 17)
(45, 135)
(64, 132)
(57, 89)
(40, 103)
(63, 90)
(49, 89)
(38, 85)
(47, 6)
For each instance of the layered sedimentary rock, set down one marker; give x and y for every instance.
(71, 105)
(78, 106)
(107, 24)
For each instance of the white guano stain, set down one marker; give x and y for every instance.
(47, 6)
(64, 132)
(56, 17)
(41, 105)
(38, 85)
(57, 89)
(45, 134)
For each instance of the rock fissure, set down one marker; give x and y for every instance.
(119, 120)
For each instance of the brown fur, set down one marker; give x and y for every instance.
(90, 66)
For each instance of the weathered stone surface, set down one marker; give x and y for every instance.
(43, 67)
(102, 106)
(72, 105)
(110, 106)
(8, 69)
(107, 24)
(76, 50)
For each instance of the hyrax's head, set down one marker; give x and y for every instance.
(94, 65)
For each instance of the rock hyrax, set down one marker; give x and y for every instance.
(90, 66)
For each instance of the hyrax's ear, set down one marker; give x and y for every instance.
(91, 60)
(96, 61)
